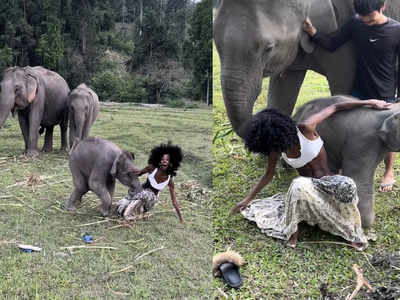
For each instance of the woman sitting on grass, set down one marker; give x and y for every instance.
(163, 163)
(315, 197)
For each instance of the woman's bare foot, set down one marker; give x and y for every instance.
(359, 246)
(292, 242)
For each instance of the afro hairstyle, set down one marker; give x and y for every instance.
(175, 156)
(270, 131)
(365, 7)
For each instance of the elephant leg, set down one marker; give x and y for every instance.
(24, 125)
(100, 189)
(72, 133)
(48, 139)
(34, 124)
(80, 187)
(284, 89)
(63, 132)
(364, 179)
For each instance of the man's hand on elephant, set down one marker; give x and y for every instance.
(308, 27)
(379, 104)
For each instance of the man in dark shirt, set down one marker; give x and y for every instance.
(376, 40)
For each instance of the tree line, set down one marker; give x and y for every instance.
(154, 51)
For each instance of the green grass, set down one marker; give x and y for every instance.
(176, 259)
(274, 271)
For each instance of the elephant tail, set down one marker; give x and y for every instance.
(74, 144)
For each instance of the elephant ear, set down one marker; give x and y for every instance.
(389, 132)
(32, 87)
(114, 167)
(322, 15)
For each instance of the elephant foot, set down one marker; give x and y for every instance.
(47, 149)
(31, 153)
(68, 207)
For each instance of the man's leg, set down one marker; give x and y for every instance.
(388, 179)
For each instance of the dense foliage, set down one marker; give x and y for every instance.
(127, 50)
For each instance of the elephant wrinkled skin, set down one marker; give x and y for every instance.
(83, 108)
(95, 163)
(39, 96)
(356, 141)
(260, 38)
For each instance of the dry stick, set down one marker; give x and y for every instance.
(93, 223)
(137, 258)
(87, 247)
(366, 257)
(11, 204)
(115, 292)
(328, 242)
(360, 283)
(33, 209)
(223, 293)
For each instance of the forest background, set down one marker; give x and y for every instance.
(153, 51)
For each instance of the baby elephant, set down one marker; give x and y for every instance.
(83, 108)
(94, 165)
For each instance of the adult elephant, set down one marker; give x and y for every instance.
(261, 38)
(39, 96)
(83, 108)
(356, 141)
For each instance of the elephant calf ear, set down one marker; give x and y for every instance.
(323, 18)
(32, 88)
(114, 167)
(389, 132)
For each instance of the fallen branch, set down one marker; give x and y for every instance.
(87, 247)
(11, 204)
(136, 259)
(149, 252)
(360, 283)
(329, 242)
(115, 292)
(5, 242)
(222, 293)
(93, 223)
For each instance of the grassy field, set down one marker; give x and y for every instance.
(154, 258)
(321, 266)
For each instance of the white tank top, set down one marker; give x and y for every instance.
(308, 151)
(153, 182)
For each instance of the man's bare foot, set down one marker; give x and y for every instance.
(386, 184)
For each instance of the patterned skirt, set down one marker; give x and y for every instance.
(329, 202)
(134, 205)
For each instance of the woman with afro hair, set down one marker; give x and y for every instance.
(163, 164)
(315, 197)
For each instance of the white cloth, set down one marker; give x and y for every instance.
(278, 216)
(308, 151)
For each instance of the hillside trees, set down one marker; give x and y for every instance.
(128, 50)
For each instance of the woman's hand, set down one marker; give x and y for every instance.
(379, 104)
(240, 205)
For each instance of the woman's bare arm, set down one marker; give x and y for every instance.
(173, 198)
(262, 182)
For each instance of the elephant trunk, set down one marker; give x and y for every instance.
(6, 105)
(239, 93)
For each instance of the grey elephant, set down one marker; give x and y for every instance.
(261, 38)
(95, 164)
(83, 108)
(39, 96)
(356, 141)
